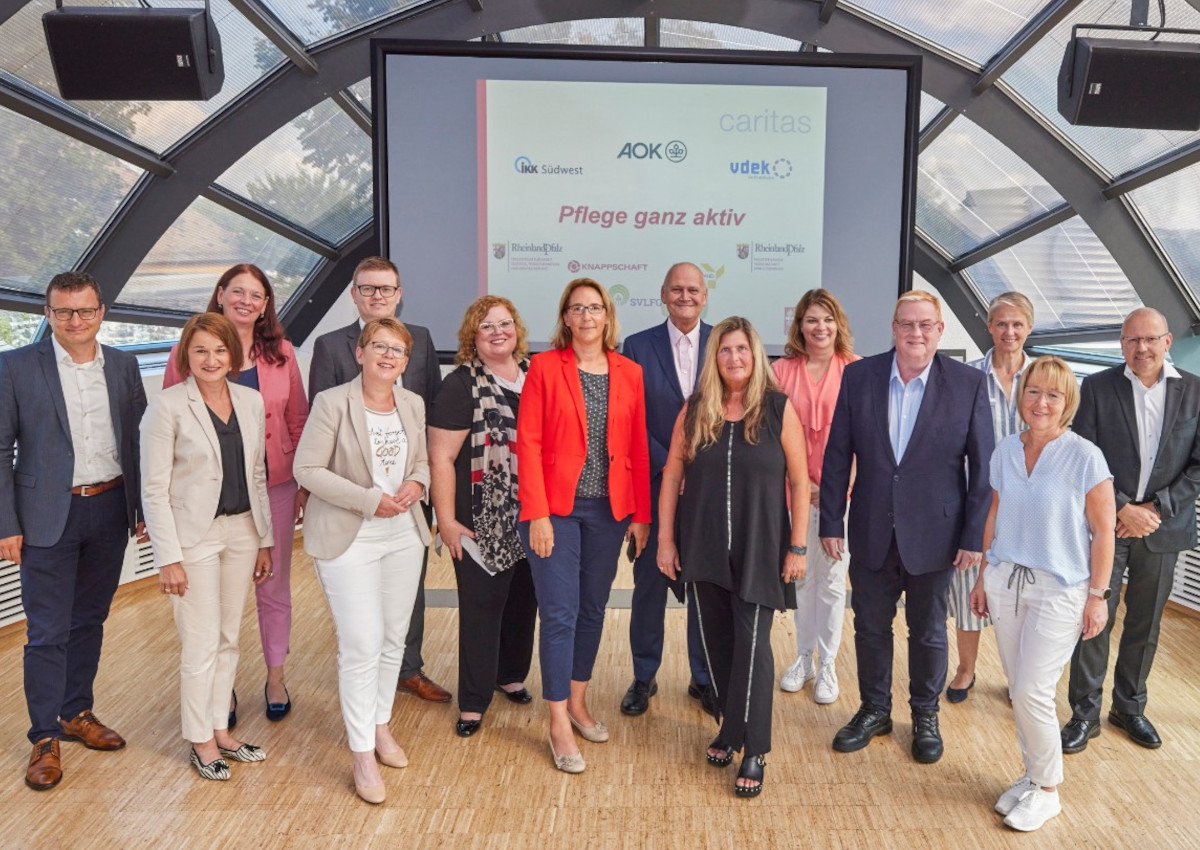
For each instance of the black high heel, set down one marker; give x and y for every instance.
(719, 761)
(233, 713)
(752, 768)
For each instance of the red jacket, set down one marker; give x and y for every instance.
(552, 437)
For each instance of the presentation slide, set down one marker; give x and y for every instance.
(722, 175)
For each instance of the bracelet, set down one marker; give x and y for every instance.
(798, 550)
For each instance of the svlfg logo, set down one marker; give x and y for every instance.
(672, 151)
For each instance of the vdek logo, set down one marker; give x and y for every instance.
(762, 169)
(672, 151)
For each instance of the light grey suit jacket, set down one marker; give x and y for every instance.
(182, 473)
(334, 463)
(333, 362)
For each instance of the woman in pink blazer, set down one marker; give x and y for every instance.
(245, 297)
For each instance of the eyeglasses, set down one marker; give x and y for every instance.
(504, 326)
(382, 348)
(256, 297)
(1149, 341)
(590, 309)
(64, 314)
(925, 327)
(367, 290)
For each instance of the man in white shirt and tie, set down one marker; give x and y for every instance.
(670, 355)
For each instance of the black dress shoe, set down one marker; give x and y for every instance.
(232, 714)
(696, 690)
(466, 728)
(637, 698)
(277, 710)
(866, 723)
(959, 694)
(927, 740)
(521, 697)
(1077, 733)
(1137, 727)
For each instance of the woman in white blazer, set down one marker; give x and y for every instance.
(362, 458)
(204, 495)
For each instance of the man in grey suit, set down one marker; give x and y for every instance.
(1144, 417)
(376, 292)
(69, 501)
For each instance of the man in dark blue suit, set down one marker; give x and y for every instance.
(69, 500)
(918, 426)
(670, 355)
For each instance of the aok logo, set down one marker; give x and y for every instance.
(672, 151)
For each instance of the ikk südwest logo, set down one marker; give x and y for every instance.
(525, 165)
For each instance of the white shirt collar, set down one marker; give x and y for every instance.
(1168, 371)
(923, 377)
(61, 355)
(675, 334)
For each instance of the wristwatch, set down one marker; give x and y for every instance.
(1100, 592)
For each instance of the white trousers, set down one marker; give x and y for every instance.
(209, 616)
(820, 598)
(371, 589)
(1037, 626)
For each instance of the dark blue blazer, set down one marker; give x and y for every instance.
(651, 349)
(937, 497)
(35, 489)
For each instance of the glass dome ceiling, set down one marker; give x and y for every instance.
(157, 197)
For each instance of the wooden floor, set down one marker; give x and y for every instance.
(648, 787)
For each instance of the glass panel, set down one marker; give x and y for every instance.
(17, 329)
(930, 107)
(315, 171)
(362, 93)
(973, 29)
(971, 188)
(699, 34)
(157, 125)
(181, 270)
(1171, 209)
(57, 195)
(124, 333)
(616, 31)
(1067, 273)
(313, 20)
(1035, 79)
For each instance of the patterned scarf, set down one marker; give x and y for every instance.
(494, 505)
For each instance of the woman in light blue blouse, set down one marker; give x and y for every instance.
(1048, 547)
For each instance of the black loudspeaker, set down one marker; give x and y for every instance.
(105, 53)
(1148, 85)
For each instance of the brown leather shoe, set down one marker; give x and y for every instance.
(45, 765)
(424, 687)
(90, 732)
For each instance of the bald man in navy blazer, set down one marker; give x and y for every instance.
(919, 427)
(665, 371)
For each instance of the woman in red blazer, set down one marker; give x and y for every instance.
(243, 294)
(584, 486)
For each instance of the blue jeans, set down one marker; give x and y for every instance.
(572, 589)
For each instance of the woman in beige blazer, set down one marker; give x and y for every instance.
(362, 458)
(204, 495)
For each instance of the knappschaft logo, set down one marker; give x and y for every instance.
(525, 165)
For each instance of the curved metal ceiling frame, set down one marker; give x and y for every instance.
(343, 60)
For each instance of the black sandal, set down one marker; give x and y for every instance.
(752, 768)
(719, 761)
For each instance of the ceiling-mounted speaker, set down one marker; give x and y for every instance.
(106, 53)
(1114, 82)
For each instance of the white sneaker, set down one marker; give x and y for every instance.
(825, 690)
(801, 671)
(1033, 810)
(1009, 799)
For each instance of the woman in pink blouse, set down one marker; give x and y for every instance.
(818, 348)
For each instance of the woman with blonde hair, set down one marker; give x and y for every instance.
(740, 446)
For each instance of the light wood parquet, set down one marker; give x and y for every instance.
(647, 788)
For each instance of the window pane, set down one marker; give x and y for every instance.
(930, 107)
(1035, 79)
(124, 333)
(17, 329)
(973, 29)
(698, 34)
(315, 171)
(313, 20)
(157, 125)
(362, 93)
(57, 195)
(181, 270)
(971, 188)
(1069, 276)
(1171, 209)
(617, 31)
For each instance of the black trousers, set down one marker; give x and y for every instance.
(1151, 577)
(874, 599)
(496, 619)
(736, 638)
(67, 590)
